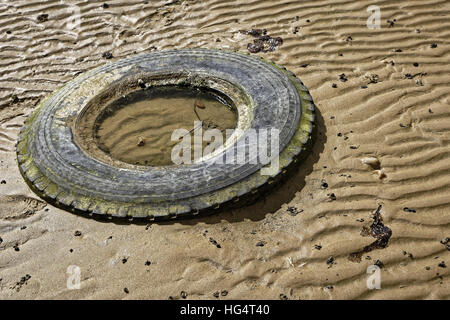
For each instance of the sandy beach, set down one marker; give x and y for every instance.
(375, 189)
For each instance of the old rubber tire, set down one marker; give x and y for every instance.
(57, 169)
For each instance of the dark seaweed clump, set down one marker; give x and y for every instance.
(42, 17)
(379, 231)
(263, 41)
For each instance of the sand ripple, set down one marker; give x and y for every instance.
(393, 106)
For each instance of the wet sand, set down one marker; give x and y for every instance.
(383, 133)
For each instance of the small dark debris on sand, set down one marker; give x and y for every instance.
(332, 196)
(330, 261)
(379, 264)
(410, 255)
(317, 246)
(261, 243)
(16, 247)
(224, 293)
(126, 290)
(14, 99)
(124, 260)
(23, 281)
(214, 242)
(433, 45)
(216, 294)
(1, 240)
(263, 41)
(342, 77)
(324, 184)
(283, 297)
(107, 55)
(183, 294)
(334, 85)
(406, 209)
(77, 233)
(105, 6)
(42, 17)
(254, 32)
(293, 211)
(412, 76)
(377, 230)
(442, 264)
(147, 263)
(391, 23)
(3, 182)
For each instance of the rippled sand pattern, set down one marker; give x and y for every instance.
(391, 106)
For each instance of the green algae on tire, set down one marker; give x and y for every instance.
(61, 170)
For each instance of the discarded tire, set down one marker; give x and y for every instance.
(57, 165)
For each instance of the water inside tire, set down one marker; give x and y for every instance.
(137, 128)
